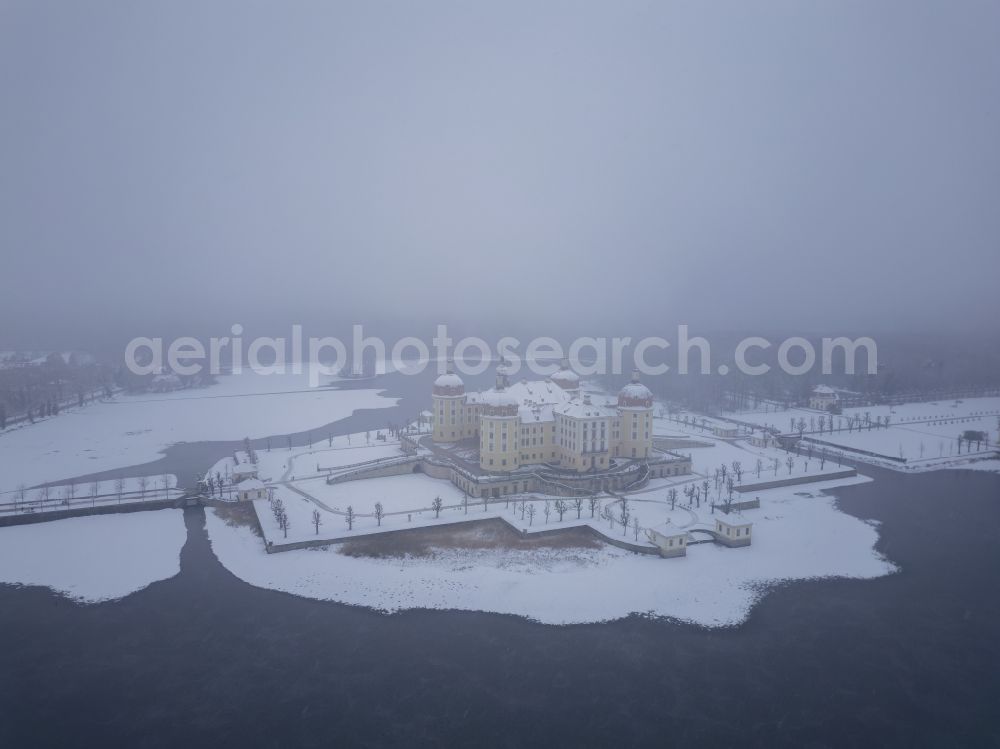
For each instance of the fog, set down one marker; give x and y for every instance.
(750, 165)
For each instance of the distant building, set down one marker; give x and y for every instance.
(763, 439)
(823, 398)
(733, 532)
(726, 431)
(250, 489)
(243, 471)
(671, 542)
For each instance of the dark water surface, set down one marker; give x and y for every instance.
(203, 659)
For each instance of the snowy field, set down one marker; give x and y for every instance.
(924, 434)
(795, 537)
(134, 429)
(280, 464)
(97, 558)
(397, 494)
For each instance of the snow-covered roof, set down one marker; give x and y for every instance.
(449, 379)
(535, 414)
(636, 390)
(824, 390)
(734, 521)
(248, 484)
(669, 530)
(566, 378)
(244, 469)
(527, 393)
(498, 398)
(635, 394)
(583, 409)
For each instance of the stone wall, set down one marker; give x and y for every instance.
(795, 480)
(375, 471)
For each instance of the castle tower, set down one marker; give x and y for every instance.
(499, 446)
(635, 409)
(449, 407)
(566, 378)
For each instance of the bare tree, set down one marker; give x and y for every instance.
(738, 471)
(143, 482)
(790, 462)
(317, 520)
(349, 517)
(578, 504)
(561, 508)
(379, 513)
(284, 522)
(760, 464)
(19, 495)
(547, 510)
(277, 507)
(524, 506)
(624, 514)
(594, 503)
(437, 504)
(531, 514)
(69, 493)
(635, 526)
(165, 480)
(119, 488)
(672, 496)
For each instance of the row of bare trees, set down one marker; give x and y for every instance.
(68, 494)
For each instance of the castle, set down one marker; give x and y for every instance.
(545, 422)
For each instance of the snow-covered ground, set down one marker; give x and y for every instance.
(797, 535)
(94, 558)
(132, 429)
(923, 432)
(279, 463)
(925, 435)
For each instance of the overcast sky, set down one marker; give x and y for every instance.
(812, 164)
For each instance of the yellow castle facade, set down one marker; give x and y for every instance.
(544, 422)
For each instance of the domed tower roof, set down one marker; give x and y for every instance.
(449, 384)
(499, 403)
(566, 378)
(635, 394)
